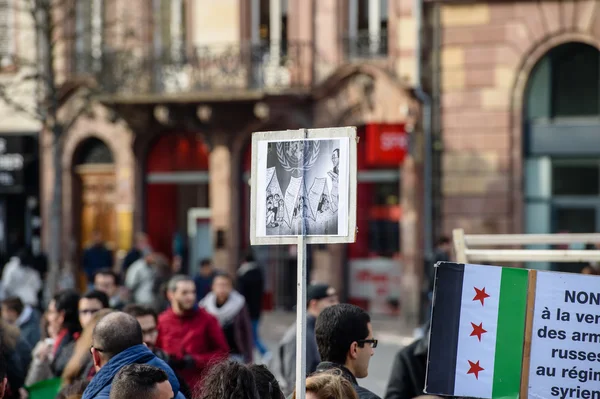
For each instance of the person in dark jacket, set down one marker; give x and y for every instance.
(63, 319)
(148, 320)
(229, 307)
(117, 342)
(191, 337)
(251, 284)
(96, 257)
(407, 378)
(345, 340)
(142, 245)
(204, 279)
(23, 316)
(318, 298)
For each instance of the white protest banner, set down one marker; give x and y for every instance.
(565, 342)
(304, 183)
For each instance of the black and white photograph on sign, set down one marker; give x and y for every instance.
(304, 182)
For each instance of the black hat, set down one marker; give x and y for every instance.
(319, 291)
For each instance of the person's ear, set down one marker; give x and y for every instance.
(353, 352)
(96, 359)
(169, 295)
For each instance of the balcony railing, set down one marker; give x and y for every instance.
(365, 46)
(231, 67)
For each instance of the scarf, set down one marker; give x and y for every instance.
(230, 309)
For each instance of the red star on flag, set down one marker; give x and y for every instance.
(477, 330)
(480, 295)
(475, 368)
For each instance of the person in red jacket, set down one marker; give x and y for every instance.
(191, 337)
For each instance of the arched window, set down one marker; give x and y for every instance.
(565, 83)
(94, 151)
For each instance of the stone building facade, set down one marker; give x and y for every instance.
(518, 115)
(166, 149)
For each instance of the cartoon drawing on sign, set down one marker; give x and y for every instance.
(302, 179)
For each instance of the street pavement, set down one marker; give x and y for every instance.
(392, 337)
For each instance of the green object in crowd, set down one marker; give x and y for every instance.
(47, 389)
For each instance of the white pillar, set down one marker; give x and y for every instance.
(255, 22)
(275, 30)
(176, 30)
(374, 25)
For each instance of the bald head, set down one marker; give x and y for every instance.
(115, 333)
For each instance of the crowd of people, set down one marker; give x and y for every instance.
(165, 334)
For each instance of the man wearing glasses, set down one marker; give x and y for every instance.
(345, 340)
(90, 304)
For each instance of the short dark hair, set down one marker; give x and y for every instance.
(99, 296)
(249, 256)
(74, 390)
(67, 301)
(175, 280)
(337, 150)
(337, 327)
(137, 381)
(140, 311)
(14, 303)
(229, 379)
(223, 274)
(205, 262)
(443, 240)
(115, 333)
(266, 383)
(108, 272)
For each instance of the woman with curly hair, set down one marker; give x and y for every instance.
(234, 380)
(328, 385)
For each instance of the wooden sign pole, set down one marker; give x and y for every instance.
(528, 330)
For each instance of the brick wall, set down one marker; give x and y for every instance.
(487, 51)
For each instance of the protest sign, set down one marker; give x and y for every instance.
(565, 341)
(303, 192)
(508, 333)
(477, 331)
(304, 184)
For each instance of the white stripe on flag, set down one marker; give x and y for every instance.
(469, 347)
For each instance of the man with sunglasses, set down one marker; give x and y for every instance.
(345, 340)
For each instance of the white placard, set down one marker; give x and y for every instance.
(565, 341)
(304, 181)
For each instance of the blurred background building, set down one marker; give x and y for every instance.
(186, 82)
(514, 116)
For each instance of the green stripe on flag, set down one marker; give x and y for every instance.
(510, 335)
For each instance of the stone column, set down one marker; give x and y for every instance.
(411, 242)
(220, 203)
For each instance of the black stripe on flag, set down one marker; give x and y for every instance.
(445, 319)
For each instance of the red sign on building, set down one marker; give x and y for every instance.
(387, 144)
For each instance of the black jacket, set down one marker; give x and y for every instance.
(407, 379)
(363, 393)
(251, 285)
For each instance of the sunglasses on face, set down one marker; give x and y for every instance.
(361, 343)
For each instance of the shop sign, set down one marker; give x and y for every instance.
(12, 164)
(387, 144)
(376, 280)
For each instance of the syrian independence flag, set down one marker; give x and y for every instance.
(477, 331)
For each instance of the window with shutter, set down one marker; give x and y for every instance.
(7, 34)
(89, 24)
(169, 30)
